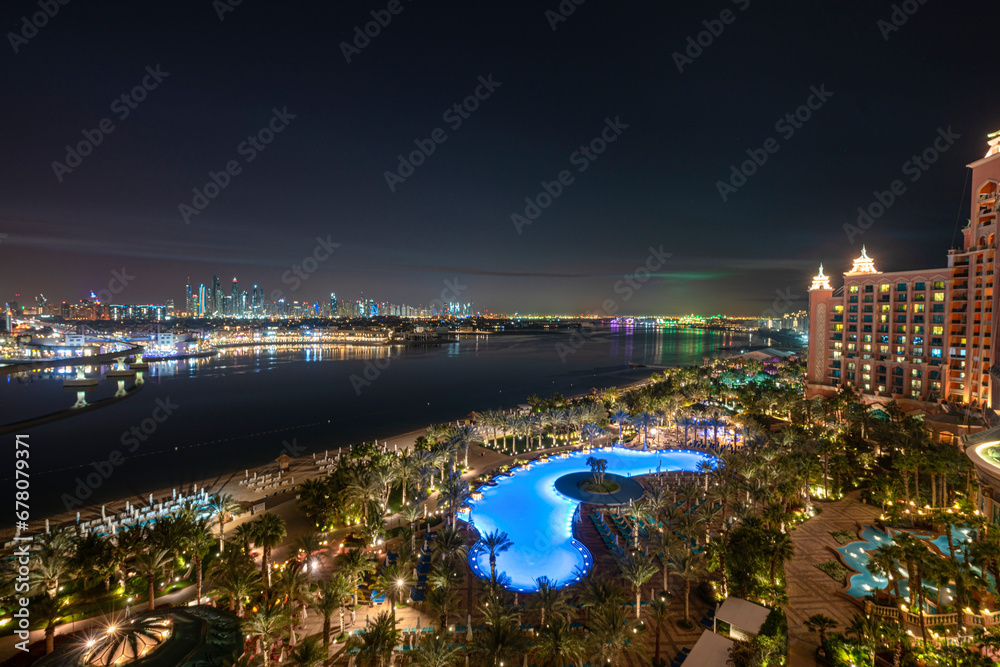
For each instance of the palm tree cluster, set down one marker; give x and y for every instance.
(71, 572)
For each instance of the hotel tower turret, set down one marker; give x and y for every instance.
(923, 336)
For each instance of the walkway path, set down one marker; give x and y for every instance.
(812, 591)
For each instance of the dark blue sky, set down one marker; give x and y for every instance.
(324, 174)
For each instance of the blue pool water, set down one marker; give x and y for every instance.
(539, 520)
(856, 556)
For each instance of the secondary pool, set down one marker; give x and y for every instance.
(857, 556)
(539, 520)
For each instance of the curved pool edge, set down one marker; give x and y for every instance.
(478, 556)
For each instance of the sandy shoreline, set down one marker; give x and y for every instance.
(301, 468)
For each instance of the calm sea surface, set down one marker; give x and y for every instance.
(244, 407)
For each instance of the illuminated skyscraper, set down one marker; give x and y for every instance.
(187, 295)
(234, 299)
(217, 300)
(201, 300)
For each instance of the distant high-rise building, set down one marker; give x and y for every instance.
(187, 296)
(201, 300)
(217, 300)
(234, 299)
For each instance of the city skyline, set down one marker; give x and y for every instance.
(538, 181)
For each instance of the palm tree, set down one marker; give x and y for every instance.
(375, 646)
(46, 574)
(437, 651)
(644, 420)
(668, 547)
(412, 514)
(308, 544)
(406, 471)
(268, 532)
(690, 569)
(465, 436)
(610, 631)
(591, 431)
(499, 644)
(658, 614)
(780, 549)
(496, 542)
(868, 630)
(332, 594)
(621, 418)
(292, 587)
(197, 541)
(309, 653)
(442, 600)
(356, 563)
(244, 535)
(395, 580)
(48, 609)
(637, 571)
(820, 623)
(150, 564)
(263, 625)
(558, 644)
(223, 506)
(549, 601)
(449, 544)
(236, 579)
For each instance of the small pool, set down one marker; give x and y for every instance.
(539, 520)
(856, 555)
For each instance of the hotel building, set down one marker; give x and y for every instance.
(922, 337)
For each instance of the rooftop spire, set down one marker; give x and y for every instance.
(820, 281)
(863, 265)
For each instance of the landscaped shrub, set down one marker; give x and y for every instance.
(834, 569)
(844, 536)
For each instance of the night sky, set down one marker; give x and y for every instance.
(553, 91)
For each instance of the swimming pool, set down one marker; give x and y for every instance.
(857, 556)
(539, 520)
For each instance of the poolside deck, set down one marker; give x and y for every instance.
(811, 591)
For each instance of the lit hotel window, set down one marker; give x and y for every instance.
(884, 287)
